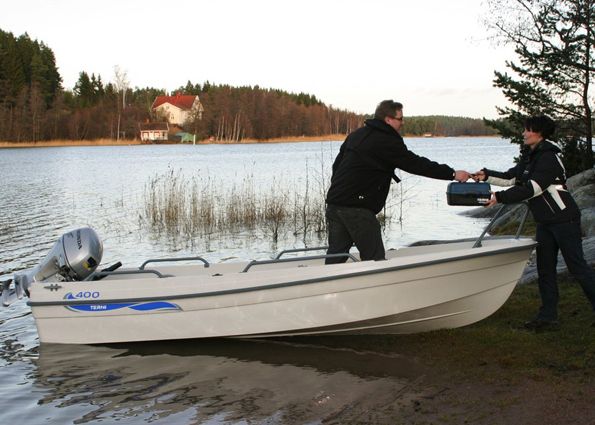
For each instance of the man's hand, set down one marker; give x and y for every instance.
(462, 176)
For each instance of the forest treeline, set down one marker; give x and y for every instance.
(35, 106)
(440, 125)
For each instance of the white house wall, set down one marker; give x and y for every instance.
(153, 135)
(173, 114)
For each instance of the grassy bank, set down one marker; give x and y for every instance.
(498, 348)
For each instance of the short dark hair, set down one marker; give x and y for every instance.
(541, 124)
(387, 108)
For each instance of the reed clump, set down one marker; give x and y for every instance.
(199, 206)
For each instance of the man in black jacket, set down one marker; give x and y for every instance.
(362, 174)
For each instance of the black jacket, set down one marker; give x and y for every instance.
(539, 177)
(366, 162)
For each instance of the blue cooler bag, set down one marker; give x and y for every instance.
(469, 194)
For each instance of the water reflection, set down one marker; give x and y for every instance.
(219, 381)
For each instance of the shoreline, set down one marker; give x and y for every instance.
(113, 142)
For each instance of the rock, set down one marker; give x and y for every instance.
(585, 198)
(480, 212)
(588, 222)
(512, 214)
(581, 179)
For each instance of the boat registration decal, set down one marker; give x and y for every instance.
(149, 306)
(82, 295)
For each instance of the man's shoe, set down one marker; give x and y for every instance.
(542, 325)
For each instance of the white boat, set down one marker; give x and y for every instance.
(416, 289)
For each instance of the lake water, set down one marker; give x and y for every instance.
(45, 192)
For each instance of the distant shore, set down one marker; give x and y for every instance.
(113, 142)
(127, 142)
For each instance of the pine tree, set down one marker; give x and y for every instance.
(554, 41)
(53, 80)
(29, 83)
(12, 72)
(84, 90)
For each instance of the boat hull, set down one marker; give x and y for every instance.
(415, 290)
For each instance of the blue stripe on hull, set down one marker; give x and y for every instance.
(149, 306)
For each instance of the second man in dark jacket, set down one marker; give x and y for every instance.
(361, 178)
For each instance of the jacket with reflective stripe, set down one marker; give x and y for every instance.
(540, 178)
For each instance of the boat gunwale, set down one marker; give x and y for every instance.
(379, 270)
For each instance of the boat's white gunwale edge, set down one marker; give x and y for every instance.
(284, 284)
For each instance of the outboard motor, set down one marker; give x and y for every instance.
(74, 257)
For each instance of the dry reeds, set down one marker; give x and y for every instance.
(61, 143)
(178, 206)
(199, 206)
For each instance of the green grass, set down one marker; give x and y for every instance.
(500, 341)
(498, 348)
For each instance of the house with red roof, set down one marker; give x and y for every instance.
(177, 109)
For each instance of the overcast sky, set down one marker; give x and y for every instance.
(431, 55)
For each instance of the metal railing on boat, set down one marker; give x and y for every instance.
(104, 273)
(288, 251)
(101, 274)
(164, 260)
(288, 260)
(477, 243)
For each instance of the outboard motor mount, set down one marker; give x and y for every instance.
(74, 257)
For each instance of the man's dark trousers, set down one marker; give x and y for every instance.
(349, 225)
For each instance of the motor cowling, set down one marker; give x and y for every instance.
(74, 257)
